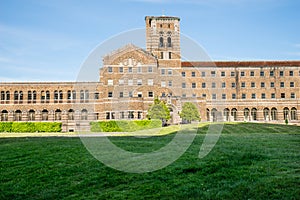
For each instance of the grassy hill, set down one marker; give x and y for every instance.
(250, 161)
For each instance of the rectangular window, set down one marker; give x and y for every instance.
(281, 73)
(243, 96)
(121, 81)
(203, 74)
(161, 55)
(109, 69)
(203, 95)
(203, 85)
(170, 83)
(262, 84)
(213, 73)
(163, 94)
(110, 94)
(163, 84)
(121, 69)
(252, 73)
(163, 71)
(214, 96)
(242, 73)
(223, 84)
(110, 82)
(183, 85)
(129, 69)
(139, 82)
(96, 96)
(282, 95)
(273, 96)
(130, 82)
(183, 95)
(262, 73)
(194, 95)
(130, 94)
(291, 73)
(272, 84)
(183, 74)
(243, 85)
(121, 94)
(281, 84)
(140, 94)
(150, 70)
(233, 85)
(150, 81)
(271, 73)
(232, 74)
(193, 85)
(233, 96)
(223, 74)
(223, 96)
(252, 84)
(150, 94)
(170, 55)
(292, 84)
(170, 72)
(253, 96)
(263, 95)
(193, 74)
(139, 69)
(293, 96)
(213, 85)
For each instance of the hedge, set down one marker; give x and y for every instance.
(124, 125)
(30, 127)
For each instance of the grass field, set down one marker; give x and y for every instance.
(250, 161)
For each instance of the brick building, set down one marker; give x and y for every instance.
(131, 77)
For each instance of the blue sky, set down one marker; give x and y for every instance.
(49, 40)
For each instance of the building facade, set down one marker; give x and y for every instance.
(131, 77)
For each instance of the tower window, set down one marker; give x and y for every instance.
(169, 42)
(170, 55)
(161, 55)
(161, 42)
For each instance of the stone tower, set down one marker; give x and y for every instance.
(163, 40)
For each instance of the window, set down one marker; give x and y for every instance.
(170, 72)
(170, 83)
(139, 82)
(140, 94)
(262, 84)
(121, 69)
(281, 73)
(291, 73)
(121, 81)
(282, 95)
(262, 73)
(281, 84)
(243, 84)
(293, 96)
(203, 95)
(194, 95)
(243, 96)
(96, 95)
(109, 69)
(252, 84)
(163, 84)
(193, 74)
(139, 69)
(292, 84)
(170, 55)
(121, 94)
(161, 40)
(169, 42)
(150, 94)
(272, 84)
(213, 85)
(150, 81)
(223, 84)
(163, 71)
(161, 55)
(233, 85)
(183, 85)
(130, 114)
(271, 73)
(263, 95)
(242, 73)
(213, 73)
(183, 74)
(163, 94)
(203, 85)
(251, 73)
(183, 95)
(273, 96)
(129, 69)
(232, 73)
(214, 96)
(223, 96)
(130, 82)
(233, 96)
(122, 115)
(203, 74)
(150, 70)
(193, 85)
(253, 96)
(110, 82)
(222, 73)
(110, 94)
(130, 94)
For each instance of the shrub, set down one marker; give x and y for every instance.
(124, 125)
(5, 126)
(30, 127)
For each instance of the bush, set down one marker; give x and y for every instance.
(30, 127)
(124, 125)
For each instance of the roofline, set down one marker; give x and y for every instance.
(240, 63)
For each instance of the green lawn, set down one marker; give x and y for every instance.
(250, 161)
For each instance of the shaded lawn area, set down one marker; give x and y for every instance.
(250, 161)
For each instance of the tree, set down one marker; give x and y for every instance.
(159, 110)
(189, 112)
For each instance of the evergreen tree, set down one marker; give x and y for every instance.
(189, 112)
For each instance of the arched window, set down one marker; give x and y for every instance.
(81, 96)
(71, 114)
(161, 42)
(86, 95)
(214, 113)
(246, 114)
(18, 115)
(57, 114)
(254, 113)
(234, 114)
(169, 40)
(61, 96)
(47, 96)
(286, 113)
(274, 114)
(7, 96)
(294, 114)
(31, 115)
(207, 115)
(226, 114)
(4, 115)
(29, 96)
(45, 115)
(34, 96)
(266, 112)
(84, 114)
